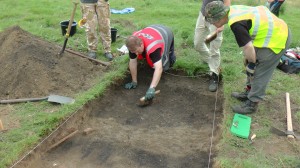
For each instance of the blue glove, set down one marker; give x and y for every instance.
(131, 85)
(150, 94)
(250, 68)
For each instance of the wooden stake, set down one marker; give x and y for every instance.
(289, 116)
(83, 56)
(1, 126)
(62, 140)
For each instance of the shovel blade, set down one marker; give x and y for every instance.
(60, 99)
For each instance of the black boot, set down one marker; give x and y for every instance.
(247, 107)
(109, 56)
(214, 83)
(242, 96)
(92, 54)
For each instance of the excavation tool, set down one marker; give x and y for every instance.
(1, 126)
(143, 102)
(280, 132)
(289, 117)
(92, 59)
(50, 98)
(63, 139)
(253, 136)
(289, 132)
(211, 37)
(70, 26)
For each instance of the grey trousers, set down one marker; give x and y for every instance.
(267, 61)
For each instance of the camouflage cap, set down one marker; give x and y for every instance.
(215, 11)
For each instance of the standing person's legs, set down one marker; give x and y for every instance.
(209, 55)
(267, 61)
(103, 11)
(214, 57)
(89, 13)
(201, 31)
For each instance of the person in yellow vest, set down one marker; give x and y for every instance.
(263, 38)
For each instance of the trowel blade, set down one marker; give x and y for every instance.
(145, 103)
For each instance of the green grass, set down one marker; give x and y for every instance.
(42, 19)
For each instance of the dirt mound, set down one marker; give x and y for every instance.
(31, 67)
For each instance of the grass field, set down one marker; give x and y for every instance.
(42, 19)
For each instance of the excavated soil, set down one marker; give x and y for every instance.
(179, 129)
(31, 67)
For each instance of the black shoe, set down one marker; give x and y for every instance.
(109, 56)
(92, 54)
(243, 96)
(247, 107)
(214, 83)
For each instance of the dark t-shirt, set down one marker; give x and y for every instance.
(241, 32)
(154, 56)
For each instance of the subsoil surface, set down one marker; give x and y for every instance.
(174, 131)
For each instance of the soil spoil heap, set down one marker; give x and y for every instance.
(31, 67)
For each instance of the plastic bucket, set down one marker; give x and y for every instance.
(113, 32)
(64, 27)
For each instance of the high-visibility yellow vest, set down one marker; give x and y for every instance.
(267, 30)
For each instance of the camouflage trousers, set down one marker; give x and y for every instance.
(97, 17)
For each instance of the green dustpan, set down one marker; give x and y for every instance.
(241, 125)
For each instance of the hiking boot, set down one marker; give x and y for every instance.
(92, 54)
(241, 96)
(247, 107)
(214, 82)
(109, 56)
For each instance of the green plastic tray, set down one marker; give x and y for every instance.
(241, 125)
